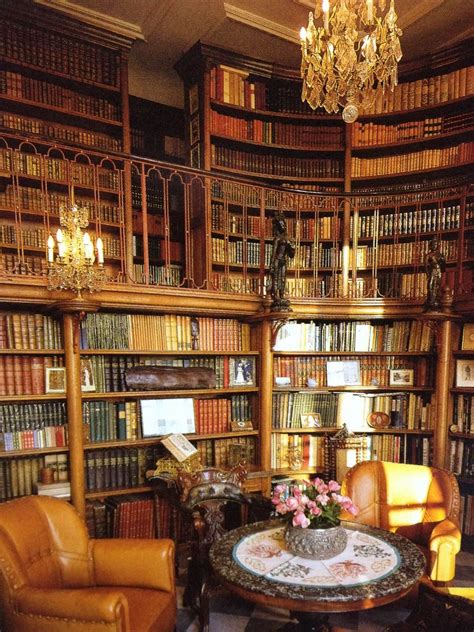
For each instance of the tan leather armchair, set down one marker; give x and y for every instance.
(54, 578)
(419, 502)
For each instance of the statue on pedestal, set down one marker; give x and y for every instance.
(283, 247)
(435, 265)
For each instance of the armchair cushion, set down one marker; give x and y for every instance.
(419, 502)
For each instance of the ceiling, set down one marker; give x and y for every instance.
(267, 29)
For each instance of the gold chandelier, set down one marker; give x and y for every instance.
(354, 53)
(73, 262)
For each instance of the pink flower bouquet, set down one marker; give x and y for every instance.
(317, 505)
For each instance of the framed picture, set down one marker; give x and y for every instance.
(242, 371)
(87, 376)
(340, 373)
(55, 379)
(310, 420)
(465, 373)
(167, 416)
(195, 157)
(467, 343)
(194, 133)
(193, 99)
(401, 377)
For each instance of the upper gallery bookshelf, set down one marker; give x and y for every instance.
(242, 117)
(63, 80)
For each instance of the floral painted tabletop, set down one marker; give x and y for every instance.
(376, 564)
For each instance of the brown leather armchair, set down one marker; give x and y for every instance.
(54, 578)
(419, 502)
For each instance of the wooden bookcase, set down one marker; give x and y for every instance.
(183, 244)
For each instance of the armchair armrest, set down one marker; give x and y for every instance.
(79, 608)
(444, 543)
(138, 563)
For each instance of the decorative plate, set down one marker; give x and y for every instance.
(378, 420)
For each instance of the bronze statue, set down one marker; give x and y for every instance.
(435, 265)
(283, 247)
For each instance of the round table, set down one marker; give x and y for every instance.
(376, 568)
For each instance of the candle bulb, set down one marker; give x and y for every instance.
(325, 8)
(370, 13)
(100, 251)
(59, 239)
(50, 249)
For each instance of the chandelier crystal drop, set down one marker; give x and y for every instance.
(73, 261)
(354, 53)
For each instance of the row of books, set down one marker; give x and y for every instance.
(414, 221)
(411, 162)
(288, 408)
(396, 336)
(236, 283)
(461, 457)
(169, 275)
(51, 51)
(370, 134)
(18, 476)
(227, 452)
(276, 165)
(59, 169)
(230, 85)
(463, 413)
(276, 133)
(26, 264)
(130, 516)
(466, 514)
(158, 248)
(155, 219)
(401, 449)
(215, 415)
(425, 92)
(240, 252)
(45, 437)
(19, 86)
(295, 452)
(26, 374)
(32, 199)
(111, 421)
(114, 468)
(169, 332)
(404, 253)
(19, 416)
(63, 133)
(27, 330)
(372, 370)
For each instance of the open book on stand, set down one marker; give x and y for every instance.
(179, 446)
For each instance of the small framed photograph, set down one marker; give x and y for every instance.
(87, 376)
(56, 379)
(467, 343)
(343, 373)
(238, 452)
(310, 420)
(401, 377)
(194, 133)
(195, 157)
(465, 373)
(193, 98)
(242, 371)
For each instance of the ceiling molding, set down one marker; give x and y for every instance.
(417, 11)
(100, 20)
(262, 24)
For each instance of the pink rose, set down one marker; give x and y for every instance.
(300, 520)
(334, 486)
(315, 511)
(279, 489)
(292, 503)
(322, 499)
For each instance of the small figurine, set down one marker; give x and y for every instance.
(283, 247)
(435, 265)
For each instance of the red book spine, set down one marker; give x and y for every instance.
(37, 371)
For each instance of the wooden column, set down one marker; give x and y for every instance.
(266, 377)
(347, 211)
(72, 312)
(443, 381)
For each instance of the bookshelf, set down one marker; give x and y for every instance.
(62, 80)
(329, 373)
(226, 416)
